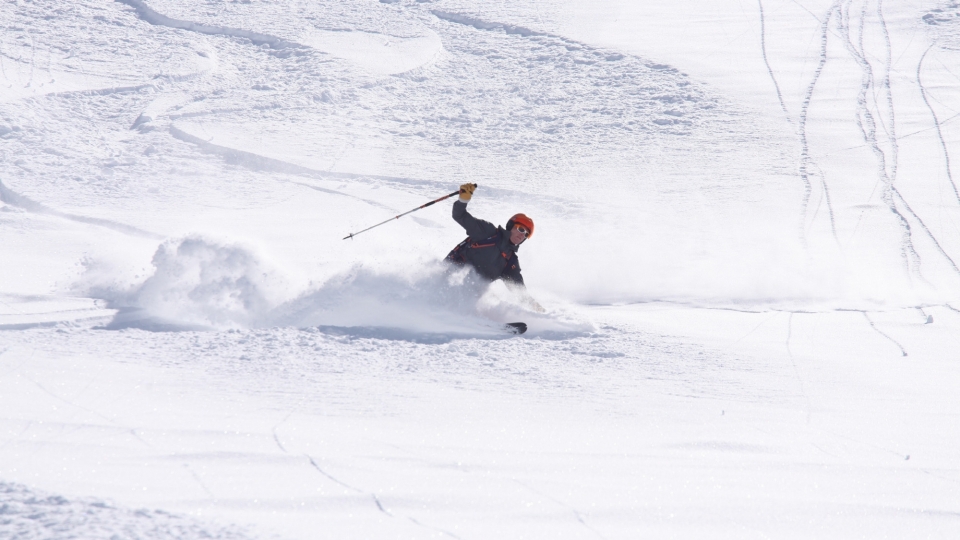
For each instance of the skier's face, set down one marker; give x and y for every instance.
(518, 234)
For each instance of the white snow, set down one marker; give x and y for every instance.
(747, 245)
(379, 53)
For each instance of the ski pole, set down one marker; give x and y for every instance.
(351, 235)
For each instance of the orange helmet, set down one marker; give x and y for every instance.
(521, 219)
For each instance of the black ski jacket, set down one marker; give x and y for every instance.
(487, 248)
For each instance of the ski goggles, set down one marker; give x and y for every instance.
(521, 229)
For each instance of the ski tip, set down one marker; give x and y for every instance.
(516, 327)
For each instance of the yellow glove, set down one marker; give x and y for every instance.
(466, 191)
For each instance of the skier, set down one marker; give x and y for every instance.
(490, 249)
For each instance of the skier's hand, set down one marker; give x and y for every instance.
(533, 304)
(466, 191)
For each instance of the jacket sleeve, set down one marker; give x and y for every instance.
(511, 273)
(477, 229)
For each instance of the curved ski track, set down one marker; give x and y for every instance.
(903, 352)
(373, 496)
(149, 15)
(15, 199)
(868, 128)
(936, 123)
(891, 125)
(376, 500)
(766, 61)
(805, 160)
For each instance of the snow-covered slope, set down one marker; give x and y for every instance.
(747, 243)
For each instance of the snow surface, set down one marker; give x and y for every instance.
(748, 238)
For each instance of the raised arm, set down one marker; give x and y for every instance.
(477, 229)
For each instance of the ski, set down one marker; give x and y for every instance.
(516, 327)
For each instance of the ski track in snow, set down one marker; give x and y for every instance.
(936, 123)
(805, 160)
(766, 61)
(926, 229)
(890, 126)
(146, 13)
(867, 124)
(903, 352)
(257, 162)
(576, 513)
(9, 197)
(796, 370)
(122, 428)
